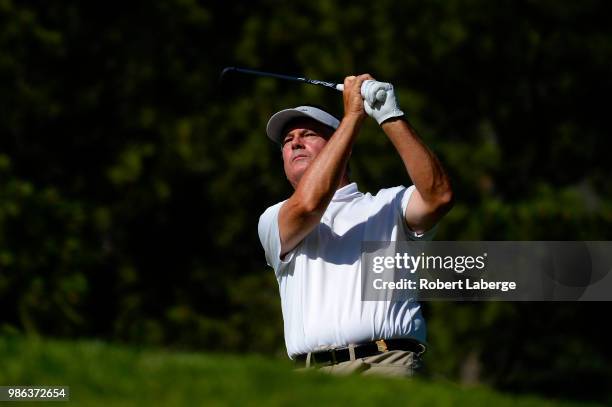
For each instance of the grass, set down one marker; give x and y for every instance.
(104, 374)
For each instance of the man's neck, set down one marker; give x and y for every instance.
(344, 182)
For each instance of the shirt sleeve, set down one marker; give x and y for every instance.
(269, 236)
(427, 235)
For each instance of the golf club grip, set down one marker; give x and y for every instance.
(380, 95)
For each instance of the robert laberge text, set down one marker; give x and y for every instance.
(437, 284)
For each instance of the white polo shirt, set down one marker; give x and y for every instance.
(320, 280)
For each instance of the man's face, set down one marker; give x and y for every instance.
(303, 141)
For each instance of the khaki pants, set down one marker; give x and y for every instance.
(396, 363)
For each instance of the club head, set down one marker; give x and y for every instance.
(225, 71)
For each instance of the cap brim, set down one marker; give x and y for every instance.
(279, 120)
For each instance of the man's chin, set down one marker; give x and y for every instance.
(300, 164)
(298, 170)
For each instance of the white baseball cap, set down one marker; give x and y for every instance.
(279, 120)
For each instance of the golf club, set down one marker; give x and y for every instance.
(380, 95)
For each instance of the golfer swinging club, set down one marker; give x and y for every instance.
(313, 239)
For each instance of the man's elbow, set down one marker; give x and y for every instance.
(444, 201)
(311, 208)
(306, 208)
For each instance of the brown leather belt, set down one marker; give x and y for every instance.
(362, 350)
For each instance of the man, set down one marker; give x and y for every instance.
(313, 239)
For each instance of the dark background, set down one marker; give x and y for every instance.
(131, 181)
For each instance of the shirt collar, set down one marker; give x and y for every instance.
(347, 192)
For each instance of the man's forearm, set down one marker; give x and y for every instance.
(422, 165)
(320, 181)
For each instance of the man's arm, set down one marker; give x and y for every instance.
(300, 214)
(433, 196)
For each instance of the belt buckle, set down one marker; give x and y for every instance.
(333, 356)
(382, 345)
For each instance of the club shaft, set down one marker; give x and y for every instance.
(285, 77)
(380, 95)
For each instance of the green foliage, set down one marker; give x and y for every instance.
(99, 374)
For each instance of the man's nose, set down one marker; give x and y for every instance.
(296, 142)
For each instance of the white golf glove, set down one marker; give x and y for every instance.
(376, 108)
